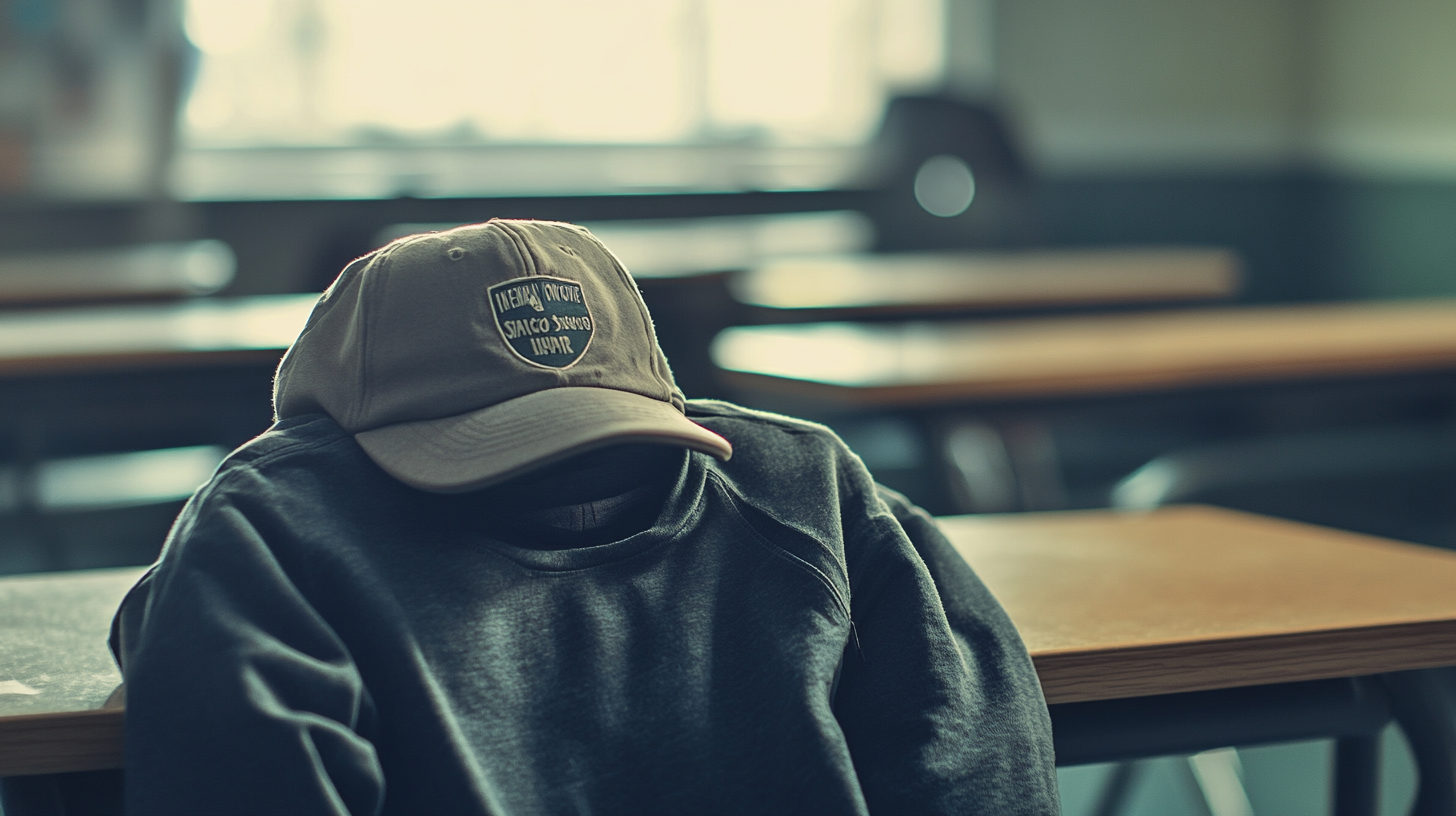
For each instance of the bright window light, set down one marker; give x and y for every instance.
(479, 72)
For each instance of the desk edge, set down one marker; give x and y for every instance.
(61, 742)
(1084, 675)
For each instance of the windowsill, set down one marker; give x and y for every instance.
(320, 173)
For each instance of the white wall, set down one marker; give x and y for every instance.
(1385, 102)
(1113, 85)
(1363, 87)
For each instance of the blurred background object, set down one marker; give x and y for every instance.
(89, 97)
(1311, 138)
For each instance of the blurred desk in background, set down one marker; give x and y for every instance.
(681, 266)
(142, 271)
(658, 248)
(793, 289)
(684, 247)
(1050, 412)
(186, 334)
(110, 416)
(924, 363)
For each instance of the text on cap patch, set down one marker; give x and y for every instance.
(544, 320)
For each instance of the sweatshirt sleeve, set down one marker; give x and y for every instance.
(240, 697)
(938, 699)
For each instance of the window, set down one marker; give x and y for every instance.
(439, 97)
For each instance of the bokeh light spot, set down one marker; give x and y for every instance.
(944, 186)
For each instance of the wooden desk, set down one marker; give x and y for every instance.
(1115, 605)
(56, 672)
(204, 332)
(917, 364)
(868, 285)
(1111, 605)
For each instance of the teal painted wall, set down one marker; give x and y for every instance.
(1385, 239)
(1302, 236)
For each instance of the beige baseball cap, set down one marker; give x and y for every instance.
(461, 359)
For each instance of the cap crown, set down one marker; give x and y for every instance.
(441, 324)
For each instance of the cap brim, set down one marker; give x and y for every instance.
(485, 447)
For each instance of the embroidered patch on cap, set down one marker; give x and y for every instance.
(544, 320)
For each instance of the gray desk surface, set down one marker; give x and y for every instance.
(56, 672)
(53, 639)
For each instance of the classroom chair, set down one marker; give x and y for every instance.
(97, 511)
(1395, 481)
(917, 130)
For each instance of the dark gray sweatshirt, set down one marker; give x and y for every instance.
(785, 638)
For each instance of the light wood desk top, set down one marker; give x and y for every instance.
(963, 281)
(132, 336)
(56, 672)
(940, 362)
(1190, 598)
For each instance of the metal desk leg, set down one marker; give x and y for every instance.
(83, 793)
(1423, 705)
(996, 467)
(978, 468)
(1117, 790)
(1357, 775)
(1354, 711)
